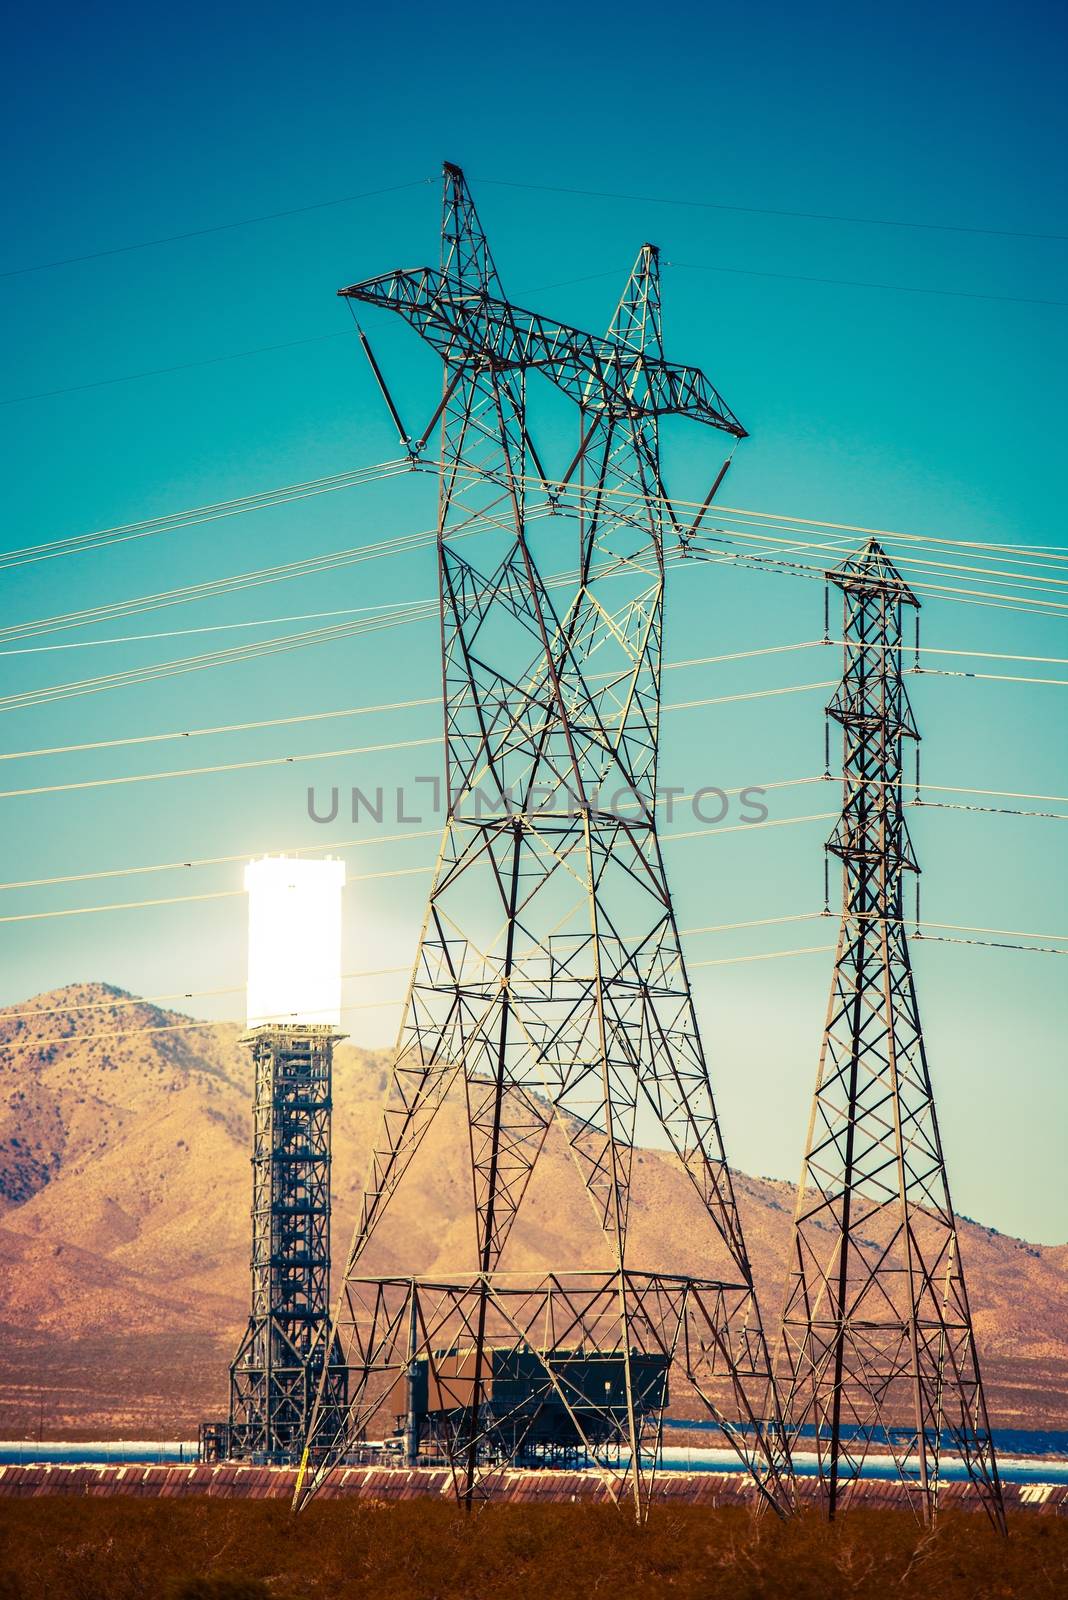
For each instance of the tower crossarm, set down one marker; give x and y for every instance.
(481, 332)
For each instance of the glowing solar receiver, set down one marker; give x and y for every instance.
(294, 941)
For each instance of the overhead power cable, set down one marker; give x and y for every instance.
(190, 899)
(355, 750)
(355, 711)
(222, 727)
(409, 834)
(214, 627)
(372, 622)
(688, 203)
(256, 577)
(341, 847)
(29, 1042)
(865, 283)
(765, 955)
(126, 1001)
(420, 610)
(380, 972)
(162, 372)
(172, 521)
(367, 877)
(281, 494)
(218, 227)
(172, 1027)
(691, 204)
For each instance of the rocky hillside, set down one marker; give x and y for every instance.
(124, 1220)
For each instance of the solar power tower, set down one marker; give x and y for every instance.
(878, 1352)
(293, 1014)
(549, 993)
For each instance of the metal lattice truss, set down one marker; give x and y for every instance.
(561, 1325)
(276, 1372)
(878, 1353)
(549, 985)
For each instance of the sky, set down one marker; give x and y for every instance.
(937, 407)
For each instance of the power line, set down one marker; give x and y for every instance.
(865, 283)
(189, 899)
(255, 577)
(688, 203)
(209, 660)
(172, 1027)
(223, 727)
(120, 1002)
(380, 972)
(768, 211)
(131, 1001)
(214, 627)
(417, 610)
(989, 677)
(219, 227)
(355, 750)
(399, 872)
(356, 711)
(768, 955)
(408, 834)
(172, 521)
(954, 596)
(225, 766)
(159, 372)
(219, 861)
(281, 494)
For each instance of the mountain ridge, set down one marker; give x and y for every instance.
(125, 1196)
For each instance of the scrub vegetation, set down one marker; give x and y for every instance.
(127, 1549)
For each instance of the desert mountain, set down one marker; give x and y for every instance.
(124, 1221)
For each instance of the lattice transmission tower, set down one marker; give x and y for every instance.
(549, 992)
(878, 1353)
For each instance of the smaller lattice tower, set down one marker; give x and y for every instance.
(293, 1016)
(878, 1354)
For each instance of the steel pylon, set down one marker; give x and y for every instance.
(878, 1353)
(549, 986)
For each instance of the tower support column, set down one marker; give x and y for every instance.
(275, 1375)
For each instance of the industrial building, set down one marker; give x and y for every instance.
(536, 1407)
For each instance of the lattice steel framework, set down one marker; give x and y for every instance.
(549, 983)
(275, 1376)
(878, 1351)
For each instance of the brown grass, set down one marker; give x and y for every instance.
(86, 1549)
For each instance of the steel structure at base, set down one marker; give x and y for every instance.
(550, 990)
(878, 1353)
(515, 1369)
(281, 1364)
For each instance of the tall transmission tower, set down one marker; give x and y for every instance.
(549, 989)
(878, 1351)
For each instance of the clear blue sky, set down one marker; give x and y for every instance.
(910, 411)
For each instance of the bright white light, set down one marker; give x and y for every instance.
(294, 940)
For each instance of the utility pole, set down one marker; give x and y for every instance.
(550, 986)
(878, 1353)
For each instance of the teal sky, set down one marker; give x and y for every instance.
(930, 413)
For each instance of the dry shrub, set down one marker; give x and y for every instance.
(217, 1589)
(126, 1549)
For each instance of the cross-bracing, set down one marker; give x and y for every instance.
(549, 989)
